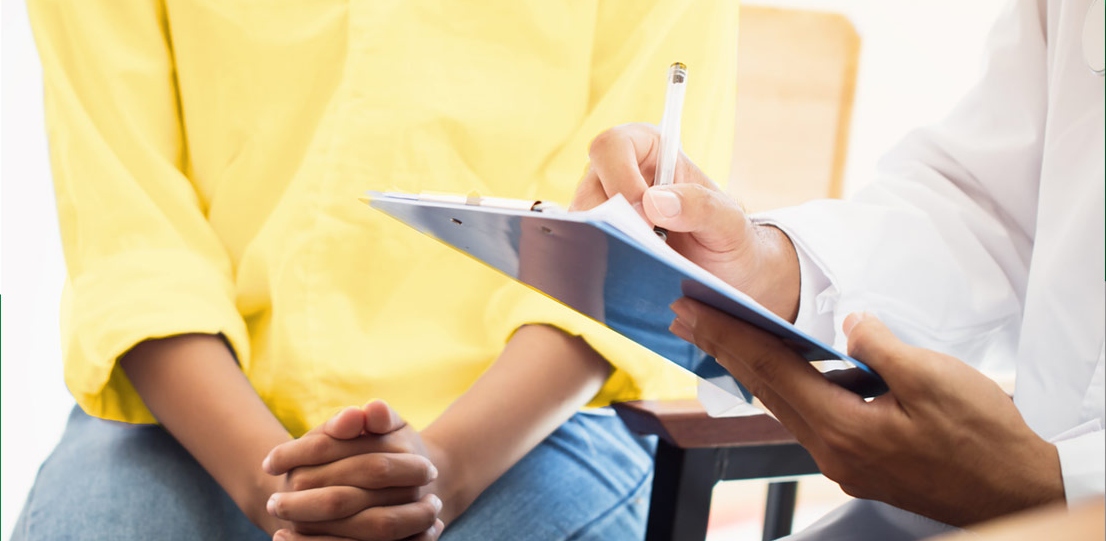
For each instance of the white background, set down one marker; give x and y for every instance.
(917, 57)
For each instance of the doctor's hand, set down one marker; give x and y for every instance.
(364, 474)
(945, 441)
(705, 224)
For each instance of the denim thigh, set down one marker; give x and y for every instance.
(590, 480)
(116, 481)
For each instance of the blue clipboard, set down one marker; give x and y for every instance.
(608, 267)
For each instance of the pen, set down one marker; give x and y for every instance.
(670, 131)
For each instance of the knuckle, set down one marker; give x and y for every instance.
(379, 467)
(839, 441)
(385, 522)
(764, 364)
(301, 480)
(393, 443)
(604, 141)
(330, 504)
(756, 387)
(317, 446)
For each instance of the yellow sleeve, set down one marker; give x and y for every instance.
(634, 44)
(142, 260)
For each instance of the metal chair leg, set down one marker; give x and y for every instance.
(779, 510)
(682, 486)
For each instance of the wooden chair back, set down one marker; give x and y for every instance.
(795, 87)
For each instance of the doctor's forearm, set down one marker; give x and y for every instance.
(193, 386)
(541, 379)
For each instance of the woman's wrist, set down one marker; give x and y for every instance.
(254, 500)
(450, 485)
(194, 387)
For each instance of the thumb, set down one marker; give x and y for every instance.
(346, 424)
(872, 343)
(713, 218)
(381, 419)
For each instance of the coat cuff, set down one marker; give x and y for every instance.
(1083, 466)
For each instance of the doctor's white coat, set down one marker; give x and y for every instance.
(983, 238)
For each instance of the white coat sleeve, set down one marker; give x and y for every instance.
(938, 245)
(1081, 460)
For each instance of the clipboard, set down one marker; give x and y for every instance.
(607, 264)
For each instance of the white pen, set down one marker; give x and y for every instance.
(670, 131)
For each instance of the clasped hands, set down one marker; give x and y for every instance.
(363, 475)
(945, 441)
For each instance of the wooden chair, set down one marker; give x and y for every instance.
(796, 80)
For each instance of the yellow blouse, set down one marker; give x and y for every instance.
(208, 156)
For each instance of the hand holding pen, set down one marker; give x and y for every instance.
(610, 170)
(669, 150)
(694, 216)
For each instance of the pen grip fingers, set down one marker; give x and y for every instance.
(623, 157)
(589, 193)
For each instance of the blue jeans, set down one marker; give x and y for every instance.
(112, 481)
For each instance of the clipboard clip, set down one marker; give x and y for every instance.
(474, 199)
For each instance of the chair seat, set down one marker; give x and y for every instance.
(685, 424)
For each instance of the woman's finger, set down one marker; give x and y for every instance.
(369, 471)
(335, 502)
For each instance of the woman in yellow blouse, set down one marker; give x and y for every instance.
(225, 282)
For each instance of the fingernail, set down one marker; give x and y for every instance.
(684, 312)
(666, 202)
(432, 472)
(851, 321)
(436, 502)
(280, 535)
(265, 465)
(271, 505)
